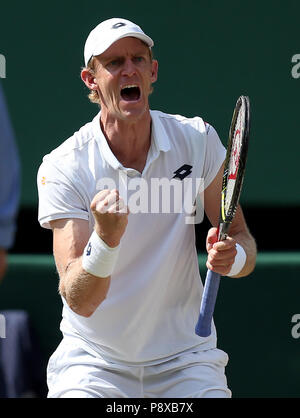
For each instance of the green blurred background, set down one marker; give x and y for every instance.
(209, 53)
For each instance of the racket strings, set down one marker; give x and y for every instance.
(234, 162)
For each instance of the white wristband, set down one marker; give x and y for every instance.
(98, 258)
(239, 261)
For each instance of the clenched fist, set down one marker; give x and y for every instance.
(111, 216)
(221, 254)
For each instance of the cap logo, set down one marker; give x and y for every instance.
(118, 25)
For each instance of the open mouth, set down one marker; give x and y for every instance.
(130, 93)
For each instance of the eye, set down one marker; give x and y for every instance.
(138, 59)
(114, 63)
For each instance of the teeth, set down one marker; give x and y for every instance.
(129, 86)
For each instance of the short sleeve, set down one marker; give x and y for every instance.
(214, 156)
(59, 197)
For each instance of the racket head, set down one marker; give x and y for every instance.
(235, 163)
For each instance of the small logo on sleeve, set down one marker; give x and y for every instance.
(89, 249)
(43, 181)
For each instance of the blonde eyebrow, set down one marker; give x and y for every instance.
(115, 56)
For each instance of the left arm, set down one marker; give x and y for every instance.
(221, 255)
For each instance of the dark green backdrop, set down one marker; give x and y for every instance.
(209, 52)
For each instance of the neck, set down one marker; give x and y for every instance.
(130, 142)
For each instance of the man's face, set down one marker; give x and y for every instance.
(124, 74)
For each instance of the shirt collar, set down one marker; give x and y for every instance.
(105, 149)
(158, 135)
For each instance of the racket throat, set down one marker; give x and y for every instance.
(222, 231)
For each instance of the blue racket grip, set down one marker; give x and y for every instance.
(211, 287)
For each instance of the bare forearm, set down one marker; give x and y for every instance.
(82, 291)
(81, 287)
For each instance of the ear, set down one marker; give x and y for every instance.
(89, 79)
(154, 71)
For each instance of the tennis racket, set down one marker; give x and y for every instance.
(233, 176)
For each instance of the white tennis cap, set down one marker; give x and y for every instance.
(110, 31)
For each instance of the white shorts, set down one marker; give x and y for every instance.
(76, 372)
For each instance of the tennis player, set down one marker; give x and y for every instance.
(129, 278)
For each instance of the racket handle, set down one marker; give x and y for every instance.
(211, 287)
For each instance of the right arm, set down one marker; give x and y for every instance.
(82, 291)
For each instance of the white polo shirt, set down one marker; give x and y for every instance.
(153, 302)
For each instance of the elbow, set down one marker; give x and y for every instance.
(83, 300)
(85, 310)
(77, 306)
(82, 311)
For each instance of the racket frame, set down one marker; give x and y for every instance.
(203, 326)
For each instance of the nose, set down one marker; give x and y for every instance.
(128, 68)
